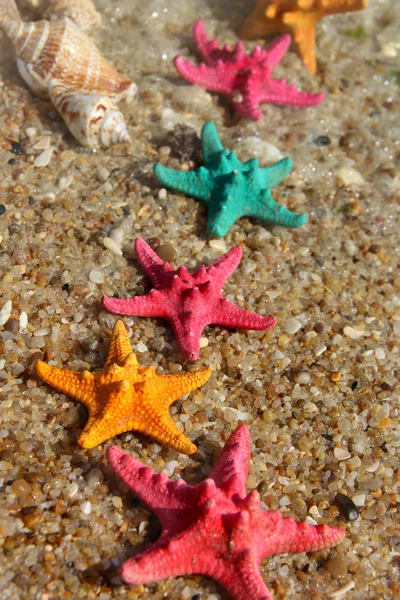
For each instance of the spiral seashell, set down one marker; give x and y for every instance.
(57, 59)
(8, 11)
(92, 120)
(82, 12)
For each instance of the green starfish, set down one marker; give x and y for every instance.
(231, 189)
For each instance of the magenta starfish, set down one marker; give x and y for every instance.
(189, 302)
(214, 528)
(245, 79)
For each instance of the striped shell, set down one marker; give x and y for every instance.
(57, 59)
(82, 12)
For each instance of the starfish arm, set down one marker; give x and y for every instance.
(275, 173)
(172, 387)
(155, 268)
(271, 212)
(188, 329)
(120, 346)
(193, 183)
(229, 315)
(218, 79)
(221, 217)
(161, 426)
(282, 535)
(231, 470)
(210, 142)
(278, 92)
(162, 560)
(209, 49)
(242, 578)
(153, 304)
(160, 493)
(277, 50)
(249, 106)
(220, 270)
(78, 385)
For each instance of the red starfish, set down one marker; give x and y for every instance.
(245, 79)
(189, 302)
(214, 528)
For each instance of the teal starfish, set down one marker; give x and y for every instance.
(231, 189)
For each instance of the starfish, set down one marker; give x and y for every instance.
(123, 396)
(245, 79)
(189, 302)
(296, 17)
(214, 528)
(231, 189)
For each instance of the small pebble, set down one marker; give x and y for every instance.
(95, 477)
(343, 590)
(166, 252)
(318, 328)
(42, 144)
(154, 243)
(5, 312)
(292, 325)
(354, 334)
(23, 320)
(346, 507)
(341, 454)
(162, 194)
(303, 377)
(203, 342)
(96, 276)
(16, 148)
(20, 487)
(12, 325)
(359, 499)
(112, 246)
(336, 567)
(86, 507)
(218, 245)
(322, 140)
(349, 176)
(2, 209)
(44, 157)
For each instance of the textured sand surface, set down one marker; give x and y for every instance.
(319, 392)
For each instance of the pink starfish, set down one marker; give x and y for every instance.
(189, 302)
(214, 528)
(245, 79)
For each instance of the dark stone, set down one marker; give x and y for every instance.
(346, 506)
(2, 209)
(12, 161)
(66, 288)
(16, 148)
(31, 200)
(322, 140)
(354, 385)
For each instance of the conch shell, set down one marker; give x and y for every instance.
(57, 59)
(82, 12)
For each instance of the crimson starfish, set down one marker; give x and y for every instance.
(214, 528)
(245, 79)
(189, 302)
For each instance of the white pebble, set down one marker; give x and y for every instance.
(23, 320)
(141, 347)
(265, 151)
(359, 499)
(117, 236)
(42, 331)
(284, 501)
(354, 334)
(319, 350)
(5, 312)
(2, 363)
(72, 490)
(30, 131)
(218, 245)
(348, 176)
(170, 467)
(396, 328)
(292, 325)
(103, 174)
(350, 247)
(96, 276)
(86, 507)
(310, 520)
(341, 454)
(380, 354)
(111, 245)
(162, 194)
(143, 526)
(203, 342)
(44, 158)
(42, 144)
(65, 181)
(313, 510)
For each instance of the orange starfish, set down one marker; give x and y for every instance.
(296, 17)
(123, 396)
